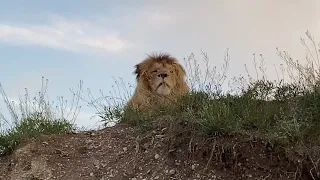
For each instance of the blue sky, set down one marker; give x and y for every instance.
(68, 41)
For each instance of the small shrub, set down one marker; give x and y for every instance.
(283, 112)
(33, 118)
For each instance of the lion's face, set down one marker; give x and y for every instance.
(162, 78)
(158, 74)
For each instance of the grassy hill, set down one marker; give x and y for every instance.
(259, 129)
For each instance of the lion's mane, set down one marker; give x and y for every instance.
(149, 71)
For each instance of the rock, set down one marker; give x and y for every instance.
(88, 141)
(45, 143)
(172, 171)
(156, 156)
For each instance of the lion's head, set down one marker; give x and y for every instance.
(158, 76)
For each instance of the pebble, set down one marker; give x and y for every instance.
(172, 171)
(45, 143)
(156, 156)
(88, 141)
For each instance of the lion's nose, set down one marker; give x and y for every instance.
(163, 75)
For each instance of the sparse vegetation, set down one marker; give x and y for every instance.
(32, 117)
(283, 113)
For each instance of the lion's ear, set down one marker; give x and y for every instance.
(181, 73)
(137, 71)
(179, 69)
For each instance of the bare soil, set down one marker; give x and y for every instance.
(121, 152)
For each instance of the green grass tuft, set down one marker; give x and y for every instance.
(32, 119)
(31, 127)
(283, 112)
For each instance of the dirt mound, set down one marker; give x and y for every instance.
(120, 152)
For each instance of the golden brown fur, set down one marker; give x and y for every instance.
(159, 79)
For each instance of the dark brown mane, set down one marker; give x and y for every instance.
(161, 57)
(151, 58)
(146, 72)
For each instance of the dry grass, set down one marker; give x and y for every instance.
(34, 116)
(284, 113)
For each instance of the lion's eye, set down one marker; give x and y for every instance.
(155, 71)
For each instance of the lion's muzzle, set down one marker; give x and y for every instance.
(163, 75)
(162, 84)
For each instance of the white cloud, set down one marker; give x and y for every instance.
(61, 34)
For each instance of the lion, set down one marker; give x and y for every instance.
(160, 78)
